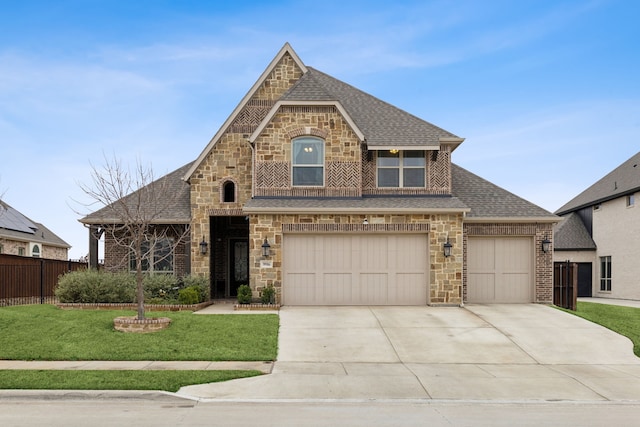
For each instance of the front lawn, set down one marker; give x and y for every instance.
(44, 332)
(114, 380)
(623, 320)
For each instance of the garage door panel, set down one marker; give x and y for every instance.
(408, 287)
(499, 270)
(303, 287)
(482, 287)
(336, 288)
(372, 269)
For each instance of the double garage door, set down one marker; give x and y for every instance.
(500, 270)
(373, 269)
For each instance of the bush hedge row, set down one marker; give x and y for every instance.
(97, 286)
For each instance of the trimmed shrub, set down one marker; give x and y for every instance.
(199, 282)
(268, 295)
(93, 286)
(244, 294)
(190, 295)
(160, 289)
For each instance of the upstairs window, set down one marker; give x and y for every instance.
(401, 169)
(630, 200)
(308, 161)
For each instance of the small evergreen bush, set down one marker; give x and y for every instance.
(268, 295)
(244, 294)
(190, 295)
(199, 282)
(160, 289)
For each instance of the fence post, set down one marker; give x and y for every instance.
(41, 280)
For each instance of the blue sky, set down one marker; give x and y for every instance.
(546, 93)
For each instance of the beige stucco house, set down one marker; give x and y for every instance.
(21, 236)
(600, 231)
(335, 197)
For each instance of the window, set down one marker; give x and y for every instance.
(404, 169)
(21, 251)
(156, 257)
(605, 273)
(229, 192)
(630, 200)
(308, 161)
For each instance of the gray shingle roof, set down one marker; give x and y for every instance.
(16, 226)
(571, 234)
(365, 204)
(488, 200)
(381, 123)
(623, 180)
(178, 211)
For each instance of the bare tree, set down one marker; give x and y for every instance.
(135, 216)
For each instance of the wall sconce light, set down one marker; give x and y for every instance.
(266, 247)
(366, 221)
(203, 246)
(447, 248)
(546, 245)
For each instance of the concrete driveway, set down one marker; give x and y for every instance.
(483, 352)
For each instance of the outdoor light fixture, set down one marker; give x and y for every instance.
(546, 245)
(203, 246)
(265, 248)
(447, 248)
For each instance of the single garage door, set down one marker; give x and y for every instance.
(375, 269)
(500, 270)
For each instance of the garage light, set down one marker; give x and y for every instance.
(265, 248)
(546, 245)
(447, 248)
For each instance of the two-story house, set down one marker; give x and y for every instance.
(335, 197)
(21, 236)
(600, 231)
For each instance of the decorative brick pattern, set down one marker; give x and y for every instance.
(251, 116)
(439, 170)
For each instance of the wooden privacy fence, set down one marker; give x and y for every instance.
(25, 280)
(565, 285)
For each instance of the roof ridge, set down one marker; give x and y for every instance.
(388, 104)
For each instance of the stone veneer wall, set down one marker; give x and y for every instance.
(445, 274)
(342, 153)
(543, 268)
(231, 159)
(11, 247)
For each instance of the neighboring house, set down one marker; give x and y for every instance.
(335, 197)
(21, 236)
(601, 232)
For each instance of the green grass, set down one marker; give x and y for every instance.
(623, 320)
(114, 380)
(44, 332)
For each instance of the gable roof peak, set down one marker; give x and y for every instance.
(286, 49)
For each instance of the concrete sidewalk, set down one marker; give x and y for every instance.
(96, 365)
(495, 352)
(612, 301)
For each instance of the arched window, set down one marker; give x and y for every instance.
(307, 158)
(229, 192)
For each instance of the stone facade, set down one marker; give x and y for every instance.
(241, 165)
(16, 247)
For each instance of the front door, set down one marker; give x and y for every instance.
(584, 279)
(239, 265)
